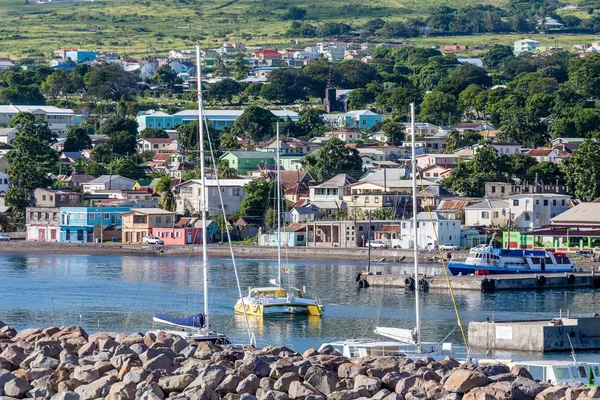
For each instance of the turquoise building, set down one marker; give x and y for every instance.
(85, 224)
(219, 119)
(358, 119)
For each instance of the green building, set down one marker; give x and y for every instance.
(246, 161)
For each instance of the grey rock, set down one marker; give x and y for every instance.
(273, 395)
(370, 384)
(136, 375)
(350, 370)
(346, 395)
(16, 388)
(13, 354)
(37, 373)
(160, 362)
(252, 365)
(175, 383)
(205, 350)
(189, 351)
(87, 349)
(552, 393)
(266, 383)
(300, 390)
(43, 393)
(248, 385)
(283, 384)
(5, 376)
(86, 373)
(65, 396)
(594, 392)
(150, 392)
(520, 371)
(502, 378)
(229, 384)
(573, 393)
(209, 377)
(382, 394)
(107, 344)
(321, 379)
(492, 370)
(282, 366)
(139, 348)
(247, 396)
(525, 389)
(178, 345)
(66, 357)
(463, 380)
(98, 388)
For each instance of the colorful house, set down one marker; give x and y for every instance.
(292, 235)
(89, 224)
(140, 222)
(246, 161)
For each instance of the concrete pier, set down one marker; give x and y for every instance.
(488, 283)
(542, 336)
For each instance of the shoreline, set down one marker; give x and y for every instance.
(222, 251)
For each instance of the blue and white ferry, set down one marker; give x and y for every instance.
(511, 261)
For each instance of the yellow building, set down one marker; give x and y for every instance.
(138, 223)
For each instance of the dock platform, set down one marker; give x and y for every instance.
(486, 283)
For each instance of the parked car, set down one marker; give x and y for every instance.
(377, 244)
(584, 253)
(153, 240)
(4, 237)
(448, 246)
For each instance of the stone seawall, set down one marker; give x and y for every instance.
(68, 364)
(222, 251)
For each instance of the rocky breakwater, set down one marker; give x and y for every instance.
(66, 363)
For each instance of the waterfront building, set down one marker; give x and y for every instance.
(232, 191)
(292, 235)
(42, 224)
(488, 213)
(343, 233)
(90, 224)
(139, 223)
(503, 190)
(529, 211)
(433, 230)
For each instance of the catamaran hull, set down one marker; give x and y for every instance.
(262, 309)
(466, 269)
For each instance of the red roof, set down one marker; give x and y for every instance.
(267, 52)
(161, 157)
(541, 152)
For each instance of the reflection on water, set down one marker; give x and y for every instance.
(122, 293)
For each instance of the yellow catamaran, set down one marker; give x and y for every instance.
(277, 298)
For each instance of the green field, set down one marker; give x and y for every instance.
(139, 28)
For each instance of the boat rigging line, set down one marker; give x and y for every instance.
(251, 337)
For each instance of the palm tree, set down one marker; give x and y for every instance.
(167, 198)
(5, 223)
(453, 141)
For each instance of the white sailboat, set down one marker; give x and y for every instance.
(404, 341)
(276, 298)
(197, 327)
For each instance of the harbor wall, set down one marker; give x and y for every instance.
(222, 251)
(542, 336)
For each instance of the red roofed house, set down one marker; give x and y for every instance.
(267, 55)
(542, 154)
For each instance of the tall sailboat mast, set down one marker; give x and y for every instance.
(203, 183)
(416, 240)
(279, 282)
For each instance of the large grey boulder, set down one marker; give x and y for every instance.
(86, 373)
(175, 383)
(463, 380)
(283, 384)
(248, 385)
(370, 384)
(525, 389)
(321, 379)
(350, 370)
(229, 384)
(300, 390)
(252, 365)
(16, 388)
(96, 389)
(209, 377)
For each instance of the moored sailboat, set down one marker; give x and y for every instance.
(197, 327)
(277, 298)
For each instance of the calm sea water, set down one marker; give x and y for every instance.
(122, 293)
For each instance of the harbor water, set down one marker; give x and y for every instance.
(121, 294)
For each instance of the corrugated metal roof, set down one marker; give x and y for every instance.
(453, 204)
(390, 228)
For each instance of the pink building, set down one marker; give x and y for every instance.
(427, 160)
(178, 236)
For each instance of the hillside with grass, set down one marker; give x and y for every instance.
(139, 28)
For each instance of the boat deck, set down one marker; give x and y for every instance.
(492, 283)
